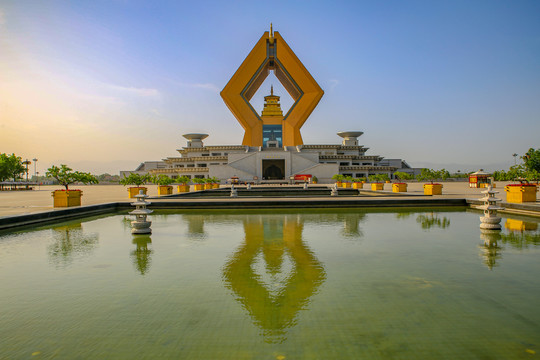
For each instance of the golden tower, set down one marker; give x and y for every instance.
(271, 53)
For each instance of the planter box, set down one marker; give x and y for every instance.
(67, 198)
(399, 187)
(520, 193)
(358, 185)
(165, 190)
(432, 189)
(346, 185)
(215, 186)
(208, 186)
(198, 187)
(183, 188)
(135, 191)
(388, 181)
(377, 186)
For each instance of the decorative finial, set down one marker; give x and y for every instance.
(271, 31)
(271, 89)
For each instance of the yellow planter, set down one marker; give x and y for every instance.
(520, 193)
(215, 186)
(165, 190)
(399, 187)
(208, 186)
(339, 183)
(346, 185)
(388, 181)
(377, 186)
(432, 189)
(199, 187)
(358, 185)
(183, 188)
(67, 198)
(135, 191)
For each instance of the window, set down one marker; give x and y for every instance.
(343, 164)
(190, 165)
(216, 154)
(206, 154)
(201, 165)
(273, 133)
(199, 176)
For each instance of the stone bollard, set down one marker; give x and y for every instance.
(334, 190)
(490, 220)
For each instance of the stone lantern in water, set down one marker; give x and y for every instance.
(490, 220)
(141, 225)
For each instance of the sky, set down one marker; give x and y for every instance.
(104, 85)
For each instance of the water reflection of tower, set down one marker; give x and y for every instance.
(490, 251)
(141, 255)
(273, 304)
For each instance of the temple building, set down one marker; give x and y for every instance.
(272, 149)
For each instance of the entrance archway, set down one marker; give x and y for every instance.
(273, 169)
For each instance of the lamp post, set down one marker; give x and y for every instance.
(515, 156)
(26, 163)
(35, 163)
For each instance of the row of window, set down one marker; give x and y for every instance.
(214, 154)
(197, 165)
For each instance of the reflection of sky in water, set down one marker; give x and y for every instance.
(344, 284)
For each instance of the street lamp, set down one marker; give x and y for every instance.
(26, 163)
(35, 163)
(515, 156)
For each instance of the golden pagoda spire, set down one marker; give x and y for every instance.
(271, 105)
(271, 34)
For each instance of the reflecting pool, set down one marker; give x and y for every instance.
(275, 284)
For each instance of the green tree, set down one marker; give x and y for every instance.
(135, 179)
(162, 180)
(66, 176)
(11, 167)
(532, 159)
(183, 180)
(403, 175)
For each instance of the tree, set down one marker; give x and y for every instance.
(162, 180)
(67, 176)
(11, 166)
(183, 180)
(135, 179)
(403, 175)
(532, 159)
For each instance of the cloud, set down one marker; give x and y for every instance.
(333, 84)
(204, 86)
(144, 92)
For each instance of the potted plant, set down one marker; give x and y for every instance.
(431, 175)
(215, 183)
(314, 180)
(208, 183)
(376, 182)
(183, 187)
(199, 183)
(66, 176)
(520, 193)
(338, 178)
(346, 182)
(138, 180)
(164, 184)
(401, 186)
(358, 183)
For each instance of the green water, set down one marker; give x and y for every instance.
(329, 284)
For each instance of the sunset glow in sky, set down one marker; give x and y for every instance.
(104, 85)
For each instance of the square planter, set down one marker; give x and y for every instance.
(165, 190)
(67, 198)
(520, 193)
(208, 186)
(215, 186)
(358, 185)
(135, 191)
(399, 187)
(183, 188)
(377, 186)
(346, 185)
(198, 187)
(433, 189)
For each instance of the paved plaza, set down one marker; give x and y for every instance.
(38, 200)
